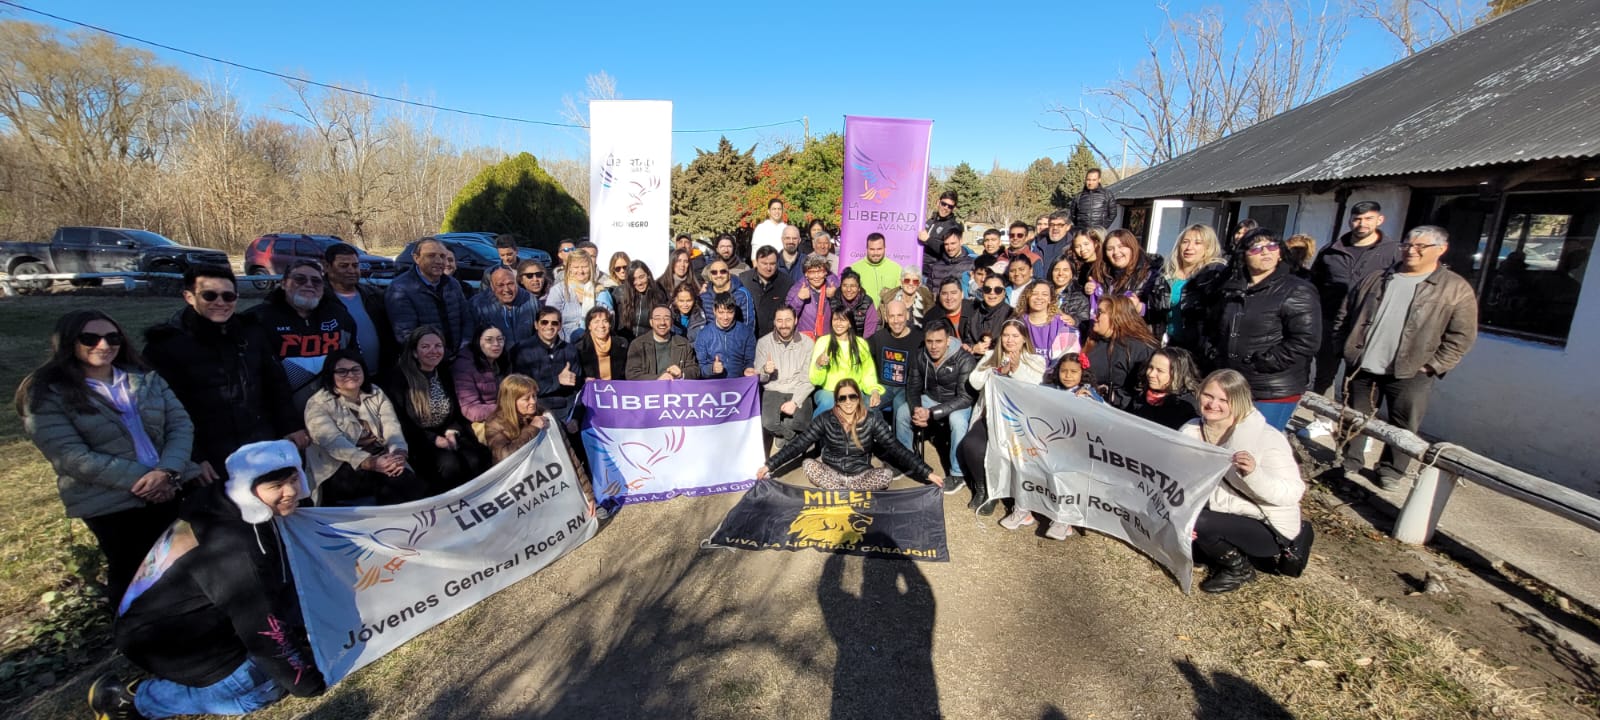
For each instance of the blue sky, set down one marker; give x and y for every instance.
(984, 72)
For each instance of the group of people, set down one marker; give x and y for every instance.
(342, 393)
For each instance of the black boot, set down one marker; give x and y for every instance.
(980, 499)
(1233, 570)
(111, 699)
(953, 483)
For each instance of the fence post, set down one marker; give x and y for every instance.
(1420, 515)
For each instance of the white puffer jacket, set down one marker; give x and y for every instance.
(1274, 490)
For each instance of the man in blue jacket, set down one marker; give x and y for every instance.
(427, 296)
(728, 347)
(506, 306)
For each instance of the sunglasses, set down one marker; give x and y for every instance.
(347, 371)
(225, 295)
(719, 272)
(564, 251)
(993, 289)
(91, 340)
(947, 206)
(532, 275)
(1018, 236)
(310, 280)
(549, 323)
(619, 268)
(1263, 247)
(913, 282)
(846, 398)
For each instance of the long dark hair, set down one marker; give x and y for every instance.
(666, 281)
(325, 379)
(416, 400)
(1181, 366)
(852, 427)
(63, 373)
(850, 333)
(630, 301)
(501, 366)
(1115, 280)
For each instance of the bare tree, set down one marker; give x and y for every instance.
(1415, 24)
(346, 178)
(1200, 81)
(597, 86)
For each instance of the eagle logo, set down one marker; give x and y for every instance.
(832, 525)
(1030, 435)
(634, 462)
(398, 543)
(641, 189)
(877, 178)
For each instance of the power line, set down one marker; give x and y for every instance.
(338, 88)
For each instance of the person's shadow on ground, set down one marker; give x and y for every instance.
(1225, 696)
(884, 637)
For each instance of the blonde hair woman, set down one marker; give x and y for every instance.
(577, 294)
(1015, 357)
(1197, 265)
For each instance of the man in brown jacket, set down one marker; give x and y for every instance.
(1401, 330)
(661, 355)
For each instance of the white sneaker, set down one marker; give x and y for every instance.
(1059, 531)
(1017, 519)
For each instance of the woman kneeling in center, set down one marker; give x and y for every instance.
(850, 437)
(1259, 499)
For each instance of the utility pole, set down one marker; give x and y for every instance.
(1123, 171)
(806, 121)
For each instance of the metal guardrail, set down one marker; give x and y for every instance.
(1443, 464)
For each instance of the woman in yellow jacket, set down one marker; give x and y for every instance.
(842, 355)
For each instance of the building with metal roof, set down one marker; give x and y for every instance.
(1493, 134)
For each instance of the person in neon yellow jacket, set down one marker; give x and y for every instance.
(842, 355)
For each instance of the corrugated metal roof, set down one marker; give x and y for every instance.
(1525, 86)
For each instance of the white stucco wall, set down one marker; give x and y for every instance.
(1529, 405)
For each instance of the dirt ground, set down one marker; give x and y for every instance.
(642, 623)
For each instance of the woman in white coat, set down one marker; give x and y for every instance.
(1014, 357)
(1259, 499)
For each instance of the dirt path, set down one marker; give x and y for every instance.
(642, 623)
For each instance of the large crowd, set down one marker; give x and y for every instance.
(340, 392)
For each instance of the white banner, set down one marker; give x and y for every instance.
(371, 578)
(630, 180)
(1091, 465)
(656, 439)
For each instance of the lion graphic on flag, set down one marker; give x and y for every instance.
(834, 525)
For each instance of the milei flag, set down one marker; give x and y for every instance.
(885, 186)
(1090, 465)
(371, 578)
(630, 179)
(655, 439)
(879, 523)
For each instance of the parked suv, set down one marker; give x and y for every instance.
(487, 238)
(272, 254)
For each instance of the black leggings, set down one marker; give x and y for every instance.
(1215, 532)
(443, 470)
(126, 537)
(971, 450)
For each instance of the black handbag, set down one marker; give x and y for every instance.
(1292, 554)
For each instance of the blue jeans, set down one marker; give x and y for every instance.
(958, 420)
(1277, 413)
(824, 401)
(246, 690)
(899, 415)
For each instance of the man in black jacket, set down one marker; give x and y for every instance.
(306, 325)
(939, 398)
(1096, 206)
(213, 614)
(223, 369)
(937, 227)
(1338, 269)
(767, 287)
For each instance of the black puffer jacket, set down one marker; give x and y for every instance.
(228, 378)
(1199, 294)
(844, 455)
(937, 229)
(945, 383)
(1094, 208)
(1269, 331)
(983, 320)
(1118, 368)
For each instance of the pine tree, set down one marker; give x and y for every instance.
(515, 195)
(969, 190)
(706, 193)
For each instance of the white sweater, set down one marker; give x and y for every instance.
(1274, 490)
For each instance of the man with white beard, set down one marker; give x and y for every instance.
(306, 324)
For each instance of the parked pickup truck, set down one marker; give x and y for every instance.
(100, 250)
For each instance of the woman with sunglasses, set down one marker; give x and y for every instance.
(617, 271)
(918, 299)
(535, 278)
(848, 438)
(1265, 323)
(443, 449)
(577, 293)
(1014, 357)
(979, 328)
(358, 451)
(115, 434)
